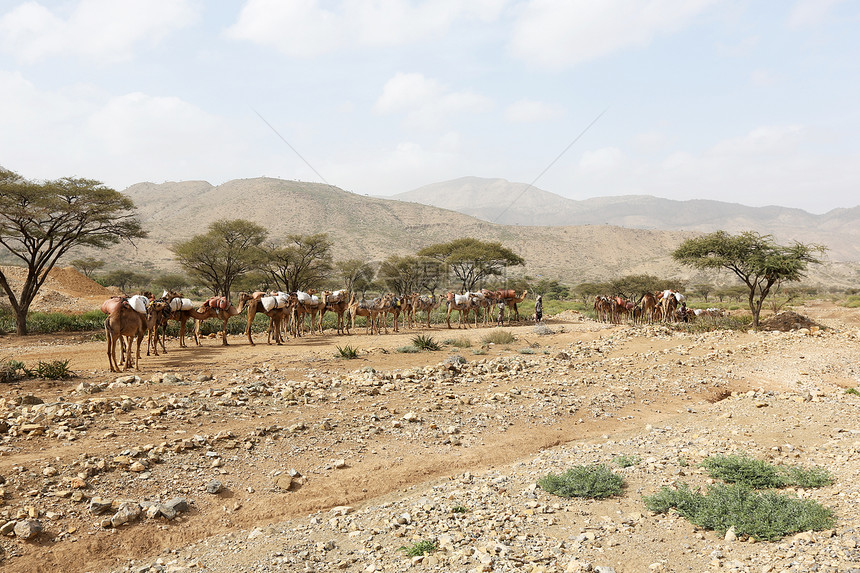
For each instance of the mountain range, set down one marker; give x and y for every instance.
(508, 203)
(373, 228)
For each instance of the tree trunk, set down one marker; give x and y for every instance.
(21, 320)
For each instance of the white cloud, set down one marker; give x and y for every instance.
(100, 30)
(305, 28)
(601, 160)
(530, 111)
(425, 101)
(560, 33)
(811, 12)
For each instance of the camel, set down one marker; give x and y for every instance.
(368, 309)
(649, 303)
(391, 304)
(255, 305)
(127, 322)
(462, 303)
(338, 303)
(509, 297)
(307, 304)
(208, 311)
(669, 302)
(426, 304)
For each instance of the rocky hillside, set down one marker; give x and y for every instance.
(512, 203)
(374, 228)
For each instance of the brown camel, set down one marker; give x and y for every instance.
(126, 322)
(368, 309)
(426, 304)
(338, 303)
(649, 303)
(206, 312)
(509, 297)
(462, 303)
(255, 305)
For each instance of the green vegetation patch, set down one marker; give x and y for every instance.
(853, 391)
(498, 337)
(12, 370)
(594, 481)
(766, 516)
(424, 342)
(758, 474)
(420, 548)
(347, 352)
(626, 461)
(460, 342)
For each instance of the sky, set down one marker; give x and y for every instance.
(746, 101)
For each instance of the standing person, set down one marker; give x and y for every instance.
(538, 309)
(501, 318)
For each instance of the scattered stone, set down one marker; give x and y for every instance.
(214, 487)
(28, 528)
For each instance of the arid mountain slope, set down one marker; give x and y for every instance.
(373, 228)
(518, 204)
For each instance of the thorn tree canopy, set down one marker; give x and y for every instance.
(40, 222)
(472, 260)
(218, 257)
(756, 259)
(304, 261)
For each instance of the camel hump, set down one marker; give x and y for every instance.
(219, 302)
(112, 304)
(257, 295)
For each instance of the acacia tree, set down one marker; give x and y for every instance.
(88, 265)
(40, 222)
(218, 257)
(756, 260)
(357, 275)
(304, 261)
(472, 260)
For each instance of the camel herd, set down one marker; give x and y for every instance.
(131, 319)
(663, 306)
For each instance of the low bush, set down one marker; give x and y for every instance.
(409, 349)
(424, 342)
(766, 516)
(595, 481)
(11, 370)
(626, 461)
(758, 474)
(498, 337)
(460, 342)
(53, 370)
(853, 391)
(420, 548)
(347, 352)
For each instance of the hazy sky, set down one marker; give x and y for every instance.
(748, 101)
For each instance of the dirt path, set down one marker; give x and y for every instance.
(354, 431)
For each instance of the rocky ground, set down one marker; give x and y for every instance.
(286, 458)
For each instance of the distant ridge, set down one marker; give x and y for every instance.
(518, 204)
(372, 229)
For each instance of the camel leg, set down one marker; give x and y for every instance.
(224, 333)
(251, 315)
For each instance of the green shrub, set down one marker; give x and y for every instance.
(459, 509)
(498, 337)
(347, 352)
(53, 370)
(479, 351)
(526, 351)
(420, 548)
(758, 474)
(408, 349)
(766, 516)
(460, 342)
(853, 391)
(626, 461)
(11, 370)
(424, 342)
(595, 481)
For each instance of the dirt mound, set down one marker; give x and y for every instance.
(788, 320)
(65, 280)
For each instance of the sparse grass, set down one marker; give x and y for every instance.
(626, 461)
(459, 509)
(526, 351)
(853, 301)
(420, 548)
(11, 370)
(853, 391)
(766, 516)
(758, 474)
(498, 337)
(424, 342)
(595, 481)
(479, 352)
(53, 370)
(459, 342)
(347, 352)
(706, 324)
(408, 349)
(682, 461)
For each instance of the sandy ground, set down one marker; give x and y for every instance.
(390, 428)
